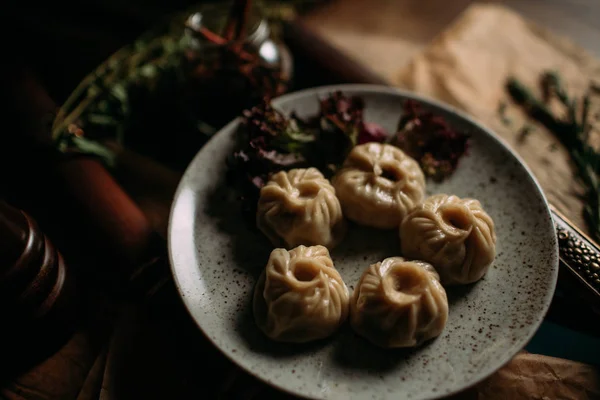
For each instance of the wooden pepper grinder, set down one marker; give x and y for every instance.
(35, 287)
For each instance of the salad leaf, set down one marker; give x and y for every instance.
(269, 142)
(428, 138)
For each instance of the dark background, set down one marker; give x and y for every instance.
(63, 41)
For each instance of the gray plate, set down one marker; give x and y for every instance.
(216, 259)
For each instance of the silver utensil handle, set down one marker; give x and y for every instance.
(578, 252)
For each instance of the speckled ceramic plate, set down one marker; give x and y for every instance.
(216, 260)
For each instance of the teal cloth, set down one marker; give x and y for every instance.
(559, 341)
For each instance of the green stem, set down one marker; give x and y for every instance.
(538, 111)
(571, 132)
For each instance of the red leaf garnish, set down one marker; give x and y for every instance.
(372, 132)
(430, 140)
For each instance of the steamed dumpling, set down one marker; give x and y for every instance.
(300, 296)
(378, 185)
(299, 207)
(399, 303)
(455, 235)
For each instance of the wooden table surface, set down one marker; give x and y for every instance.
(63, 43)
(386, 34)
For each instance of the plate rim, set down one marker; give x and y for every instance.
(390, 90)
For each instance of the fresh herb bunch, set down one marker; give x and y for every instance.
(160, 71)
(336, 129)
(346, 114)
(269, 142)
(429, 139)
(573, 130)
(101, 104)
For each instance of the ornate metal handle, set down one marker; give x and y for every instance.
(579, 253)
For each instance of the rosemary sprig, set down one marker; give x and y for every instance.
(573, 131)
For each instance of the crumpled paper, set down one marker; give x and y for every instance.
(531, 376)
(467, 66)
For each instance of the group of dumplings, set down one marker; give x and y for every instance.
(398, 302)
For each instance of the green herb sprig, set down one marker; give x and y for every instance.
(101, 106)
(573, 130)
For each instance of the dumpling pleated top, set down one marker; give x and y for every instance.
(300, 207)
(300, 296)
(378, 185)
(455, 235)
(399, 303)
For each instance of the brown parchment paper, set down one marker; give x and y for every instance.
(467, 66)
(532, 377)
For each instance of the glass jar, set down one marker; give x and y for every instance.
(226, 77)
